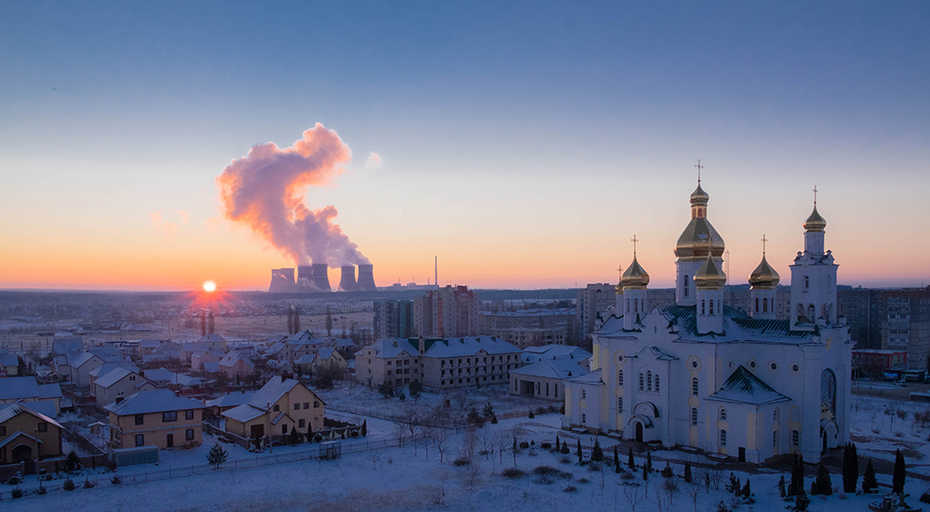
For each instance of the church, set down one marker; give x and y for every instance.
(702, 374)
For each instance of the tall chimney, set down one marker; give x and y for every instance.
(436, 271)
(296, 320)
(210, 323)
(366, 277)
(347, 283)
(319, 277)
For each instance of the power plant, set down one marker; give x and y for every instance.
(315, 278)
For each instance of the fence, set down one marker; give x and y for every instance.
(317, 452)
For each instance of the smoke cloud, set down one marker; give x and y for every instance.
(265, 190)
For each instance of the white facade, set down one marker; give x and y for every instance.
(747, 387)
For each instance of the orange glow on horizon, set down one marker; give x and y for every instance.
(209, 286)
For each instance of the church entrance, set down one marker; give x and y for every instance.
(742, 454)
(639, 432)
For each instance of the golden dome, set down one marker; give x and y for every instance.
(634, 276)
(764, 276)
(709, 276)
(815, 222)
(699, 197)
(698, 240)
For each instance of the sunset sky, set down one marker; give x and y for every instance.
(523, 143)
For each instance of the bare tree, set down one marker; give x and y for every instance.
(440, 437)
(694, 491)
(633, 495)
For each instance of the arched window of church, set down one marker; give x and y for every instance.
(657, 383)
(694, 386)
(810, 312)
(723, 414)
(702, 307)
(757, 304)
(649, 380)
(775, 415)
(723, 437)
(807, 282)
(640, 381)
(800, 312)
(620, 377)
(628, 305)
(765, 305)
(711, 309)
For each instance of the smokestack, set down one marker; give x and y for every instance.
(296, 319)
(347, 283)
(319, 277)
(366, 277)
(282, 280)
(210, 323)
(436, 271)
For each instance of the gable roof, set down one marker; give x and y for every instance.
(115, 375)
(79, 359)
(738, 327)
(13, 410)
(14, 435)
(244, 412)
(742, 386)
(552, 368)
(552, 351)
(272, 391)
(467, 346)
(158, 400)
(230, 399)
(17, 388)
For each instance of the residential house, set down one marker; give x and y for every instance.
(324, 357)
(28, 390)
(236, 365)
(155, 418)
(276, 409)
(164, 378)
(105, 368)
(225, 402)
(117, 384)
(198, 358)
(27, 435)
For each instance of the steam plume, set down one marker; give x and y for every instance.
(265, 190)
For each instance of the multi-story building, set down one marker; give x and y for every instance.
(530, 327)
(278, 408)
(27, 435)
(449, 311)
(393, 319)
(156, 418)
(890, 319)
(546, 369)
(592, 306)
(437, 363)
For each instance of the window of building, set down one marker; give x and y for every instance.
(276, 407)
(641, 381)
(775, 415)
(140, 439)
(297, 406)
(189, 434)
(584, 418)
(773, 366)
(189, 415)
(723, 414)
(584, 394)
(649, 380)
(765, 305)
(694, 386)
(301, 423)
(684, 285)
(619, 404)
(42, 427)
(710, 309)
(795, 438)
(316, 405)
(775, 440)
(723, 437)
(620, 377)
(140, 419)
(694, 415)
(807, 282)
(757, 304)
(169, 416)
(702, 307)
(657, 383)
(284, 428)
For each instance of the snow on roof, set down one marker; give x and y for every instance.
(468, 346)
(743, 386)
(107, 367)
(536, 354)
(113, 376)
(553, 369)
(244, 412)
(66, 344)
(230, 399)
(272, 391)
(158, 400)
(17, 388)
(588, 378)
(11, 411)
(389, 348)
(326, 352)
(738, 327)
(80, 358)
(306, 358)
(231, 358)
(211, 366)
(107, 354)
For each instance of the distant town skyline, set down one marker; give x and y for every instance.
(522, 144)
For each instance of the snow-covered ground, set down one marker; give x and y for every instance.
(413, 478)
(881, 426)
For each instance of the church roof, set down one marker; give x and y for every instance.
(699, 238)
(742, 386)
(815, 222)
(738, 327)
(634, 276)
(709, 275)
(764, 276)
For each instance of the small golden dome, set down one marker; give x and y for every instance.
(698, 240)
(764, 276)
(699, 197)
(634, 276)
(709, 276)
(815, 222)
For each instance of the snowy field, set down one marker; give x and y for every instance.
(413, 478)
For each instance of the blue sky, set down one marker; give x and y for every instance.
(503, 128)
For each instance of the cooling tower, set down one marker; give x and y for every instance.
(318, 277)
(304, 277)
(366, 278)
(347, 283)
(282, 280)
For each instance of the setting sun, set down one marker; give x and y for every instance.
(209, 286)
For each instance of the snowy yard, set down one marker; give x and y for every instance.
(359, 399)
(880, 426)
(413, 478)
